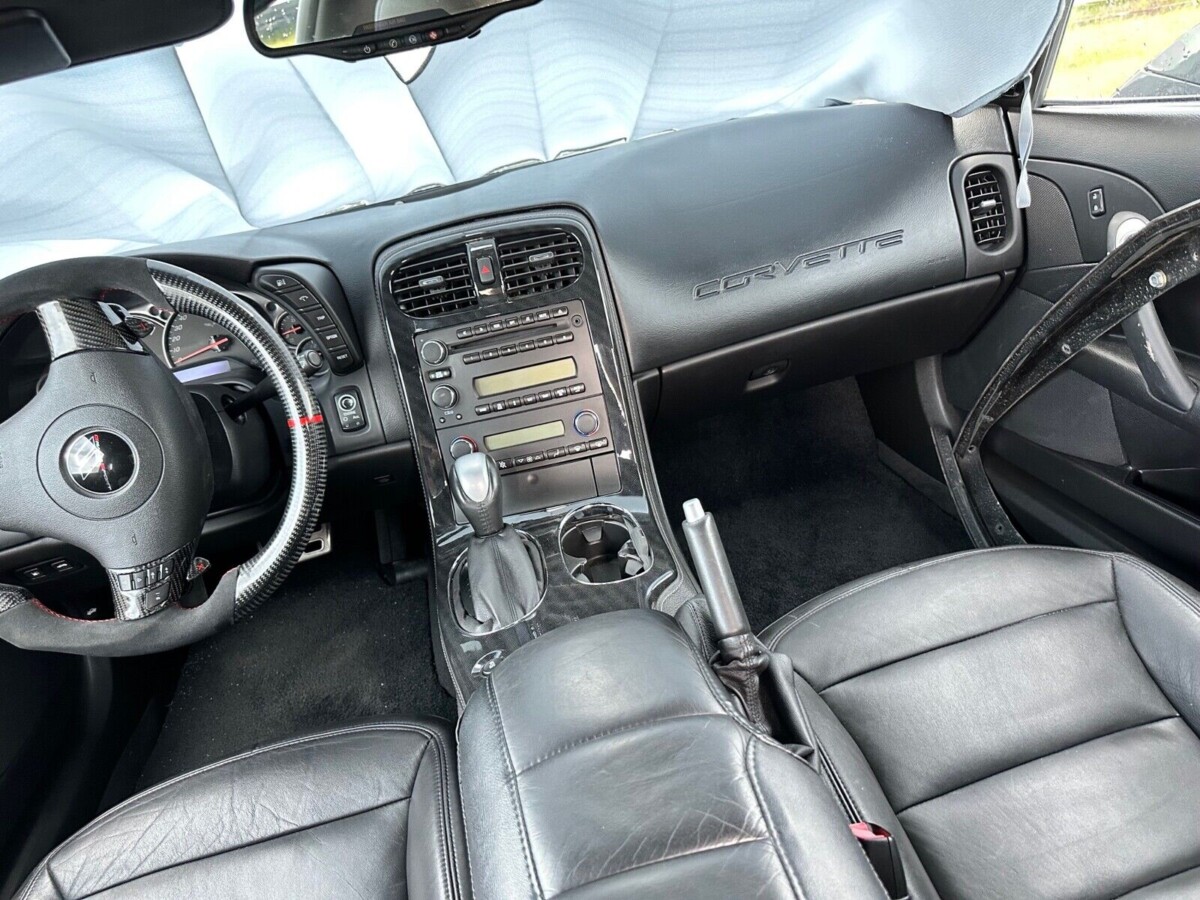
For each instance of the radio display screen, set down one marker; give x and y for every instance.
(543, 432)
(520, 379)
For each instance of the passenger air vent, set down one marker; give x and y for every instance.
(536, 263)
(985, 206)
(438, 282)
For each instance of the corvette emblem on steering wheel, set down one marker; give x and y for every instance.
(99, 462)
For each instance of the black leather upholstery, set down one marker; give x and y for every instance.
(368, 811)
(605, 760)
(1025, 719)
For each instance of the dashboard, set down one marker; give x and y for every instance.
(793, 248)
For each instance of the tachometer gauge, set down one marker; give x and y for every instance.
(195, 339)
(290, 329)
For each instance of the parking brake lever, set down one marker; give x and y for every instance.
(761, 679)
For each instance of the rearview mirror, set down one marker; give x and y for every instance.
(360, 29)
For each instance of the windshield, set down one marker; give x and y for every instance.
(212, 138)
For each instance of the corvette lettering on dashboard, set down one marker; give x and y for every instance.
(810, 260)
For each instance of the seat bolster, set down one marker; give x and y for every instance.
(1162, 618)
(437, 847)
(850, 777)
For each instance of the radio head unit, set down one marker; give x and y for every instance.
(525, 388)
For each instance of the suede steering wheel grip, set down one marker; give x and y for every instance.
(72, 326)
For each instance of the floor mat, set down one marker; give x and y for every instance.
(333, 646)
(801, 499)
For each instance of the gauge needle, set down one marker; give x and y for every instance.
(215, 345)
(291, 331)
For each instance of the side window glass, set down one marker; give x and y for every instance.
(1129, 49)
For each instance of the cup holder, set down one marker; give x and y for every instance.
(603, 545)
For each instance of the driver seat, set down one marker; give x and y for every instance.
(367, 811)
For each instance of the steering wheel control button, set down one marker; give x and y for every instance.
(277, 281)
(349, 410)
(587, 423)
(99, 462)
(433, 352)
(461, 447)
(444, 397)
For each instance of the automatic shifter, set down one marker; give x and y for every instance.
(505, 586)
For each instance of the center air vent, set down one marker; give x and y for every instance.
(985, 206)
(438, 282)
(536, 263)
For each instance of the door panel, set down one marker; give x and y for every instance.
(1091, 458)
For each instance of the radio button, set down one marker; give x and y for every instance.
(444, 397)
(504, 464)
(543, 396)
(483, 409)
(543, 315)
(440, 375)
(556, 452)
(565, 338)
(526, 346)
(577, 448)
(560, 392)
(528, 318)
(498, 406)
(508, 350)
(433, 352)
(461, 446)
(578, 388)
(529, 399)
(545, 342)
(598, 444)
(496, 326)
(513, 322)
(471, 358)
(559, 312)
(479, 329)
(587, 423)
(463, 333)
(491, 354)
(514, 403)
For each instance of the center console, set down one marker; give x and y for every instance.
(508, 343)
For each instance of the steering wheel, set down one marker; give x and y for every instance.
(111, 457)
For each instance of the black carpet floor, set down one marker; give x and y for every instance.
(801, 499)
(335, 645)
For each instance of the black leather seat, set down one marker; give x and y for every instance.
(369, 811)
(1024, 720)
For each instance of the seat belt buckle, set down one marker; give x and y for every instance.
(884, 856)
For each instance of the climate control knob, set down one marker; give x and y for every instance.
(461, 446)
(587, 423)
(433, 352)
(444, 397)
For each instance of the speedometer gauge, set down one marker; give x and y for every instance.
(194, 339)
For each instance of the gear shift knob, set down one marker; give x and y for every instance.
(475, 486)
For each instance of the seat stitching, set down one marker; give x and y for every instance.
(804, 612)
(514, 790)
(684, 855)
(621, 729)
(963, 640)
(1007, 769)
(839, 785)
(245, 846)
(751, 747)
(249, 754)
(1142, 887)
